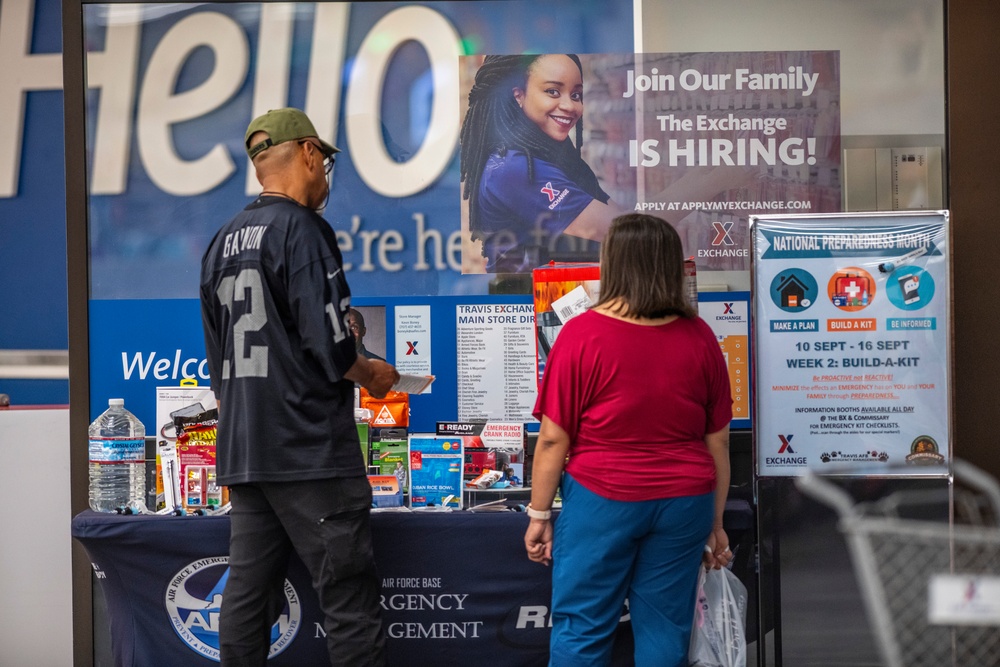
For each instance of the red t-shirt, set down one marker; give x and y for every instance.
(637, 402)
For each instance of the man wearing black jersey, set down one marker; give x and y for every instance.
(283, 364)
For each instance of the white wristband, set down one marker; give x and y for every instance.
(544, 515)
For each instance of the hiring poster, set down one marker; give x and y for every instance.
(851, 327)
(553, 147)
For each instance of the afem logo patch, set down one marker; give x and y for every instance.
(194, 599)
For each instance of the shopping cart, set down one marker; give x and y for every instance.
(901, 558)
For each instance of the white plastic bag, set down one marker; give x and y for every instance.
(718, 635)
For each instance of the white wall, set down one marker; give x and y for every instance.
(891, 51)
(36, 586)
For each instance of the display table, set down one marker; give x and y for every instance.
(457, 589)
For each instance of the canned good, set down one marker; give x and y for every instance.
(691, 282)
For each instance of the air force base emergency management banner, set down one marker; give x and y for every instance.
(451, 602)
(851, 327)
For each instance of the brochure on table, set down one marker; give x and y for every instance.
(851, 343)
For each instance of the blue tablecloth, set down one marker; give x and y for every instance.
(457, 589)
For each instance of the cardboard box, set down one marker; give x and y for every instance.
(552, 283)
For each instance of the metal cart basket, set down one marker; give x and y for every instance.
(897, 553)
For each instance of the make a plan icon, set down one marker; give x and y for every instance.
(793, 290)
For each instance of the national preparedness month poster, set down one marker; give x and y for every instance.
(851, 328)
(703, 140)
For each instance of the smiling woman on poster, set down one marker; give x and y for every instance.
(524, 178)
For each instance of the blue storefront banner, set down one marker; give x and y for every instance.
(32, 193)
(174, 87)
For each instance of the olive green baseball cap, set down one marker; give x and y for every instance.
(283, 125)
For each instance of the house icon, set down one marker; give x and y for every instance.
(791, 290)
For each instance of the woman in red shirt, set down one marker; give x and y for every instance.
(635, 409)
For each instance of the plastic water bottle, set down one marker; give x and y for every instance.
(117, 459)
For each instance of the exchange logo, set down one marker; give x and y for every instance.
(786, 456)
(723, 244)
(722, 236)
(194, 599)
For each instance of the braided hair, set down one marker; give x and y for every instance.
(495, 123)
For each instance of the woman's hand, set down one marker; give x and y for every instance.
(546, 472)
(717, 551)
(538, 541)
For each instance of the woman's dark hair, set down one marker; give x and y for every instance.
(642, 268)
(495, 123)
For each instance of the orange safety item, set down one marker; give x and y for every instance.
(393, 411)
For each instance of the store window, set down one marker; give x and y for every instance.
(702, 113)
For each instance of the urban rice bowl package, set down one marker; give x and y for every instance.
(435, 471)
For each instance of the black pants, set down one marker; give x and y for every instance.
(327, 522)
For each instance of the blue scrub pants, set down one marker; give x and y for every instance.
(605, 551)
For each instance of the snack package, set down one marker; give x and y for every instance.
(485, 480)
(196, 440)
(393, 411)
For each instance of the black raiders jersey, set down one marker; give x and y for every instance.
(274, 304)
